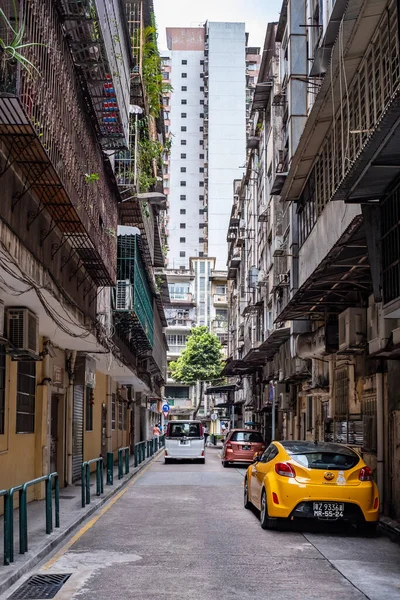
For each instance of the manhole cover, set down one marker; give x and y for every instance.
(39, 587)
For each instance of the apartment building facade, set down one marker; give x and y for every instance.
(74, 384)
(321, 359)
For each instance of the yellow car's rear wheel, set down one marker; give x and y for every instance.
(266, 521)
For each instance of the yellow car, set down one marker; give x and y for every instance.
(321, 480)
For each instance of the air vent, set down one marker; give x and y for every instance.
(123, 295)
(40, 587)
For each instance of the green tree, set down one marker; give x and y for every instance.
(200, 361)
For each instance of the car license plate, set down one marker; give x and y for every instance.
(328, 510)
(184, 443)
(246, 447)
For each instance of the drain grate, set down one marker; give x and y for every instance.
(40, 587)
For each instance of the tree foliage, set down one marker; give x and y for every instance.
(201, 360)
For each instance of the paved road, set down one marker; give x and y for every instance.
(180, 532)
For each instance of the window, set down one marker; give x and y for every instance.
(113, 411)
(201, 169)
(201, 225)
(201, 128)
(182, 225)
(2, 389)
(178, 430)
(184, 75)
(201, 115)
(269, 454)
(246, 436)
(183, 101)
(182, 240)
(201, 75)
(202, 88)
(120, 414)
(183, 115)
(201, 142)
(184, 88)
(165, 75)
(201, 197)
(201, 211)
(201, 156)
(201, 183)
(183, 142)
(201, 240)
(183, 183)
(184, 62)
(326, 457)
(201, 254)
(183, 128)
(183, 197)
(183, 211)
(220, 290)
(202, 102)
(26, 391)
(183, 169)
(183, 155)
(89, 408)
(202, 62)
(182, 254)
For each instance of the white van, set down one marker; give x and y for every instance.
(184, 440)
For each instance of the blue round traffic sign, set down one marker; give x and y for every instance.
(166, 408)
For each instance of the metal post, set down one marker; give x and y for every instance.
(57, 501)
(101, 475)
(83, 494)
(98, 475)
(273, 414)
(87, 483)
(4, 493)
(136, 456)
(49, 515)
(23, 525)
(120, 473)
(126, 460)
(110, 468)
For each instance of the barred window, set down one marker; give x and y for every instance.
(342, 392)
(89, 408)
(2, 389)
(113, 411)
(120, 415)
(26, 392)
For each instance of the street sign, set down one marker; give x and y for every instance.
(166, 408)
(214, 417)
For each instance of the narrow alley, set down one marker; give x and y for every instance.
(180, 531)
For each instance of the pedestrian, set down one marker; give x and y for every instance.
(205, 429)
(156, 430)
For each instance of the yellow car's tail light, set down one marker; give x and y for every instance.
(285, 469)
(275, 498)
(365, 474)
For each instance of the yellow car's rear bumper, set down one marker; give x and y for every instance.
(284, 497)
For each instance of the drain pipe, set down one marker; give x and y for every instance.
(379, 433)
(70, 411)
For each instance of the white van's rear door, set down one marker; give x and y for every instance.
(184, 440)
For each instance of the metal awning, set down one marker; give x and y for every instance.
(378, 163)
(219, 389)
(323, 53)
(262, 93)
(274, 341)
(237, 367)
(342, 279)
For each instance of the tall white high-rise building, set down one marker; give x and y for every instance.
(206, 116)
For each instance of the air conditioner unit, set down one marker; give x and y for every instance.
(379, 328)
(283, 278)
(352, 329)
(123, 295)
(284, 401)
(23, 330)
(261, 277)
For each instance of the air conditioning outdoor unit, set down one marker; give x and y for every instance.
(352, 329)
(23, 330)
(284, 401)
(283, 278)
(123, 295)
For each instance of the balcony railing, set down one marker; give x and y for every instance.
(220, 299)
(176, 349)
(181, 297)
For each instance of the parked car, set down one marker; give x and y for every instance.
(322, 481)
(240, 446)
(184, 440)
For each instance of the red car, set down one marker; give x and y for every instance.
(241, 445)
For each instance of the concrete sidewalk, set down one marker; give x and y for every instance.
(71, 515)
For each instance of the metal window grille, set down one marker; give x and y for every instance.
(89, 408)
(26, 391)
(120, 414)
(342, 392)
(113, 411)
(390, 245)
(125, 417)
(368, 94)
(2, 389)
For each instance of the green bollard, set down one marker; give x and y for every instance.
(126, 461)
(6, 531)
(110, 468)
(120, 471)
(135, 456)
(49, 515)
(87, 484)
(98, 478)
(57, 502)
(83, 492)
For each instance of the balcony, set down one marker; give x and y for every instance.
(180, 323)
(133, 296)
(220, 300)
(176, 350)
(56, 155)
(219, 326)
(181, 298)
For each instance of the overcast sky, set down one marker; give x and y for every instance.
(189, 13)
